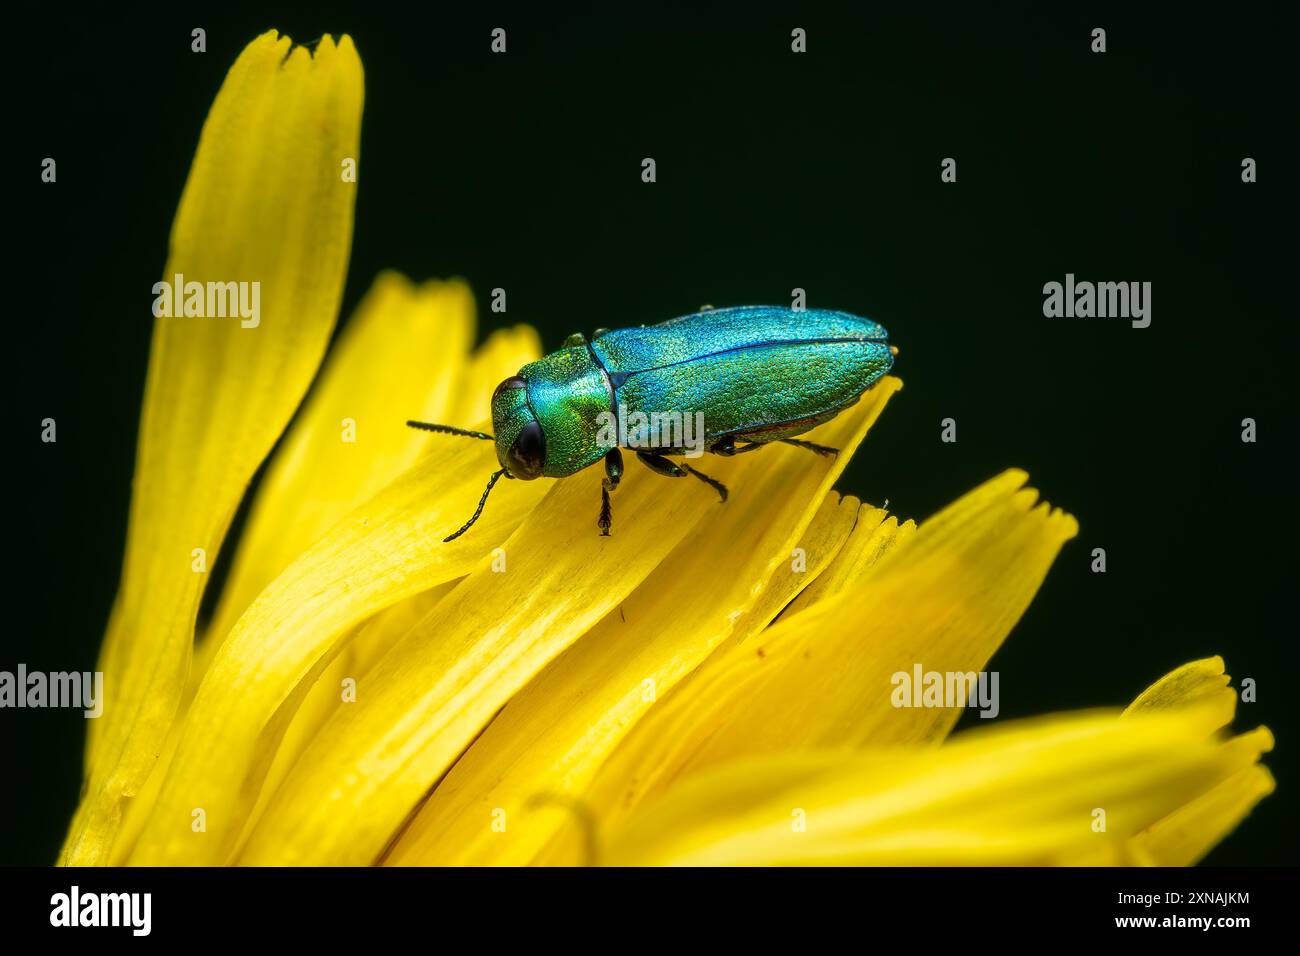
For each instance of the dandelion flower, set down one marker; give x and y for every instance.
(711, 684)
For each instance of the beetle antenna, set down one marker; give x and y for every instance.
(449, 430)
(481, 502)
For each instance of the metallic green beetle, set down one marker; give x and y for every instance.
(697, 383)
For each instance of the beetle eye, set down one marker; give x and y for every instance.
(514, 381)
(527, 456)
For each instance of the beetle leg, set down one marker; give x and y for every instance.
(660, 465)
(670, 469)
(824, 450)
(613, 475)
(577, 338)
(726, 447)
(713, 483)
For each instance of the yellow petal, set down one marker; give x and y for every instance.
(1185, 836)
(1191, 831)
(1200, 684)
(385, 551)
(875, 535)
(336, 687)
(428, 697)
(400, 357)
(502, 355)
(727, 579)
(1030, 793)
(434, 692)
(265, 202)
(944, 599)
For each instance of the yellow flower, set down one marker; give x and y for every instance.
(533, 692)
(1151, 787)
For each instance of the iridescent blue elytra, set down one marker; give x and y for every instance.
(754, 374)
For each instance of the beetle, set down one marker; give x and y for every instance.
(753, 375)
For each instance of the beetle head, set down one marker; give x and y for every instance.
(521, 444)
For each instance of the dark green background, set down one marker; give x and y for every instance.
(775, 170)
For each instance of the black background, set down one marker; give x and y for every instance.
(775, 170)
